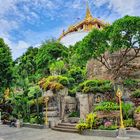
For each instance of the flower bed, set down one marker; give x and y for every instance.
(108, 114)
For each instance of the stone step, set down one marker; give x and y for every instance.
(67, 124)
(65, 130)
(52, 113)
(65, 127)
(51, 109)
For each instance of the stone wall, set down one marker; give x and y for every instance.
(95, 69)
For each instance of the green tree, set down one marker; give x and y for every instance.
(26, 64)
(49, 52)
(57, 67)
(122, 37)
(6, 65)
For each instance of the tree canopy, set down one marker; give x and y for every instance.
(49, 52)
(122, 37)
(5, 66)
(26, 63)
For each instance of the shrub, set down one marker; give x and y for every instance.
(72, 92)
(93, 86)
(111, 127)
(54, 83)
(129, 123)
(64, 81)
(90, 122)
(136, 93)
(33, 91)
(107, 106)
(127, 109)
(131, 83)
(33, 120)
(137, 110)
(74, 114)
(77, 73)
(54, 86)
(81, 126)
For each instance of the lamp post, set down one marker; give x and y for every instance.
(122, 132)
(119, 95)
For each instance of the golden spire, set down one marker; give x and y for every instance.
(88, 13)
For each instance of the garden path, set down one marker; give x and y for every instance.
(8, 133)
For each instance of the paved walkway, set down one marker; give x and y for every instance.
(7, 133)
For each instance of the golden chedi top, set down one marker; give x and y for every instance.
(88, 14)
(86, 25)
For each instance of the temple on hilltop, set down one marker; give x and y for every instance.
(78, 31)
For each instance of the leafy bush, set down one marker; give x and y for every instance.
(33, 91)
(129, 123)
(77, 73)
(72, 92)
(131, 83)
(74, 114)
(93, 86)
(127, 109)
(112, 127)
(54, 83)
(33, 120)
(90, 122)
(81, 126)
(136, 94)
(137, 110)
(64, 81)
(57, 67)
(107, 106)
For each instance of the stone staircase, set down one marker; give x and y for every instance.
(65, 127)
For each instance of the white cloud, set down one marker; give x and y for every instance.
(17, 48)
(12, 16)
(6, 27)
(122, 7)
(14, 13)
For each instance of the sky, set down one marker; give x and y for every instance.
(25, 23)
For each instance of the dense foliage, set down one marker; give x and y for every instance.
(52, 66)
(94, 86)
(107, 106)
(123, 36)
(6, 67)
(49, 52)
(26, 63)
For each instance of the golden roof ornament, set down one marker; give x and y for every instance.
(88, 13)
(87, 24)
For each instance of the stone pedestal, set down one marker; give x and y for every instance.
(61, 102)
(84, 105)
(122, 134)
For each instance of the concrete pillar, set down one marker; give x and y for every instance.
(84, 105)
